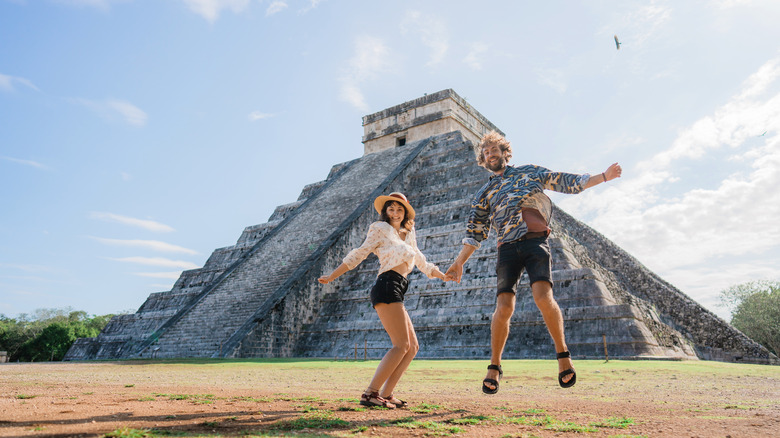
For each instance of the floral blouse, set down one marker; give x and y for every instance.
(384, 241)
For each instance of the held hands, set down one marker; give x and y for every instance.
(438, 274)
(455, 272)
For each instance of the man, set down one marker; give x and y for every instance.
(514, 204)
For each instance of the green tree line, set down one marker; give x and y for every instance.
(47, 334)
(755, 311)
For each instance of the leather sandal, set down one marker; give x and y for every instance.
(374, 400)
(566, 372)
(493, 382)
(397, 402)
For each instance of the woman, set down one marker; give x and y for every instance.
(394, 242)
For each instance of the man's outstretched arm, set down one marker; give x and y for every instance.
(612, 172)
(455, 272)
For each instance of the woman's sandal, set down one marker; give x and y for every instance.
(566, 372)
(374, 400)
(493, 382)
(397, 402)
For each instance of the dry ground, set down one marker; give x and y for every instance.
(319, 398)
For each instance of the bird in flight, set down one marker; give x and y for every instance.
(617, 43)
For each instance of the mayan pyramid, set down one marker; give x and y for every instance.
(260, 297)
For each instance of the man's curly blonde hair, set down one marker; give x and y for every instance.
(492, 138)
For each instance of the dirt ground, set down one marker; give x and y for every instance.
(319, 399)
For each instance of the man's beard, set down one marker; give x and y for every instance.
(498, 166)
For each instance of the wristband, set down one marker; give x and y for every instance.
(604, 176)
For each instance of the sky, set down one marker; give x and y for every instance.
(136, 137)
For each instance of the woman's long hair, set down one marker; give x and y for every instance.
(405, 222)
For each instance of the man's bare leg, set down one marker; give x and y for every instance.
(543, 297)
(499, 331)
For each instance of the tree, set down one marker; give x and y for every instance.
(47, 334)
(755, 311)
(51, 344)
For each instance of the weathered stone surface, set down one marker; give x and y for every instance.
(260, 298)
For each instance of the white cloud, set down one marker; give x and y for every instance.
(312, 5)
(131, 113)
(30, 163)
(125, 220)
(643, 24)
(154, 245)
(111, 108)
(257, 115)
(431, 31)
(157, 261)
(669, 214)
(125, 176)
(210, 9)
(474, 58)
(369, 60)
(275, 7)
(7, 83)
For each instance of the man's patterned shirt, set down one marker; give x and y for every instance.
(500, 201)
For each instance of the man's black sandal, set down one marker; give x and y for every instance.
(565, 373)
(487, 390)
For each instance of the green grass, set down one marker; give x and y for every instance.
(432, 427)
(252, 399)
(425, 408)
(615, 423)
(470, 420)
(142, 433)
(324, 420)
(25, 396)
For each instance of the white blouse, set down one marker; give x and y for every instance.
(384, 241)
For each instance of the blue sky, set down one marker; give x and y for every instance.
(138, 136)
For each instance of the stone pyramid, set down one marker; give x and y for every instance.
(260, 298)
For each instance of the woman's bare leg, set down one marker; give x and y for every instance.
(414, 346)
(393, 317)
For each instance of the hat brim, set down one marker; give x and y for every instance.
(380, 201)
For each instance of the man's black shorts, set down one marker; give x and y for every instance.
(532, 255)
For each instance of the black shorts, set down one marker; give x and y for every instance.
(531, 254)
(390, 287)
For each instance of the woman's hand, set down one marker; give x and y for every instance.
(325, 279)
(438, 274)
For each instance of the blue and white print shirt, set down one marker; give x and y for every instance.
(500, 201)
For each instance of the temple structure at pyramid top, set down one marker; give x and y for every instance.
(423, 118)
(260, 298)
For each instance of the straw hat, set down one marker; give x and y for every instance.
(398, 197)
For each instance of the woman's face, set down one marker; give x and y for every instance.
(395, 212)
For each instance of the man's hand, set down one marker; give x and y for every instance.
(614, 171)
(455, 272)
